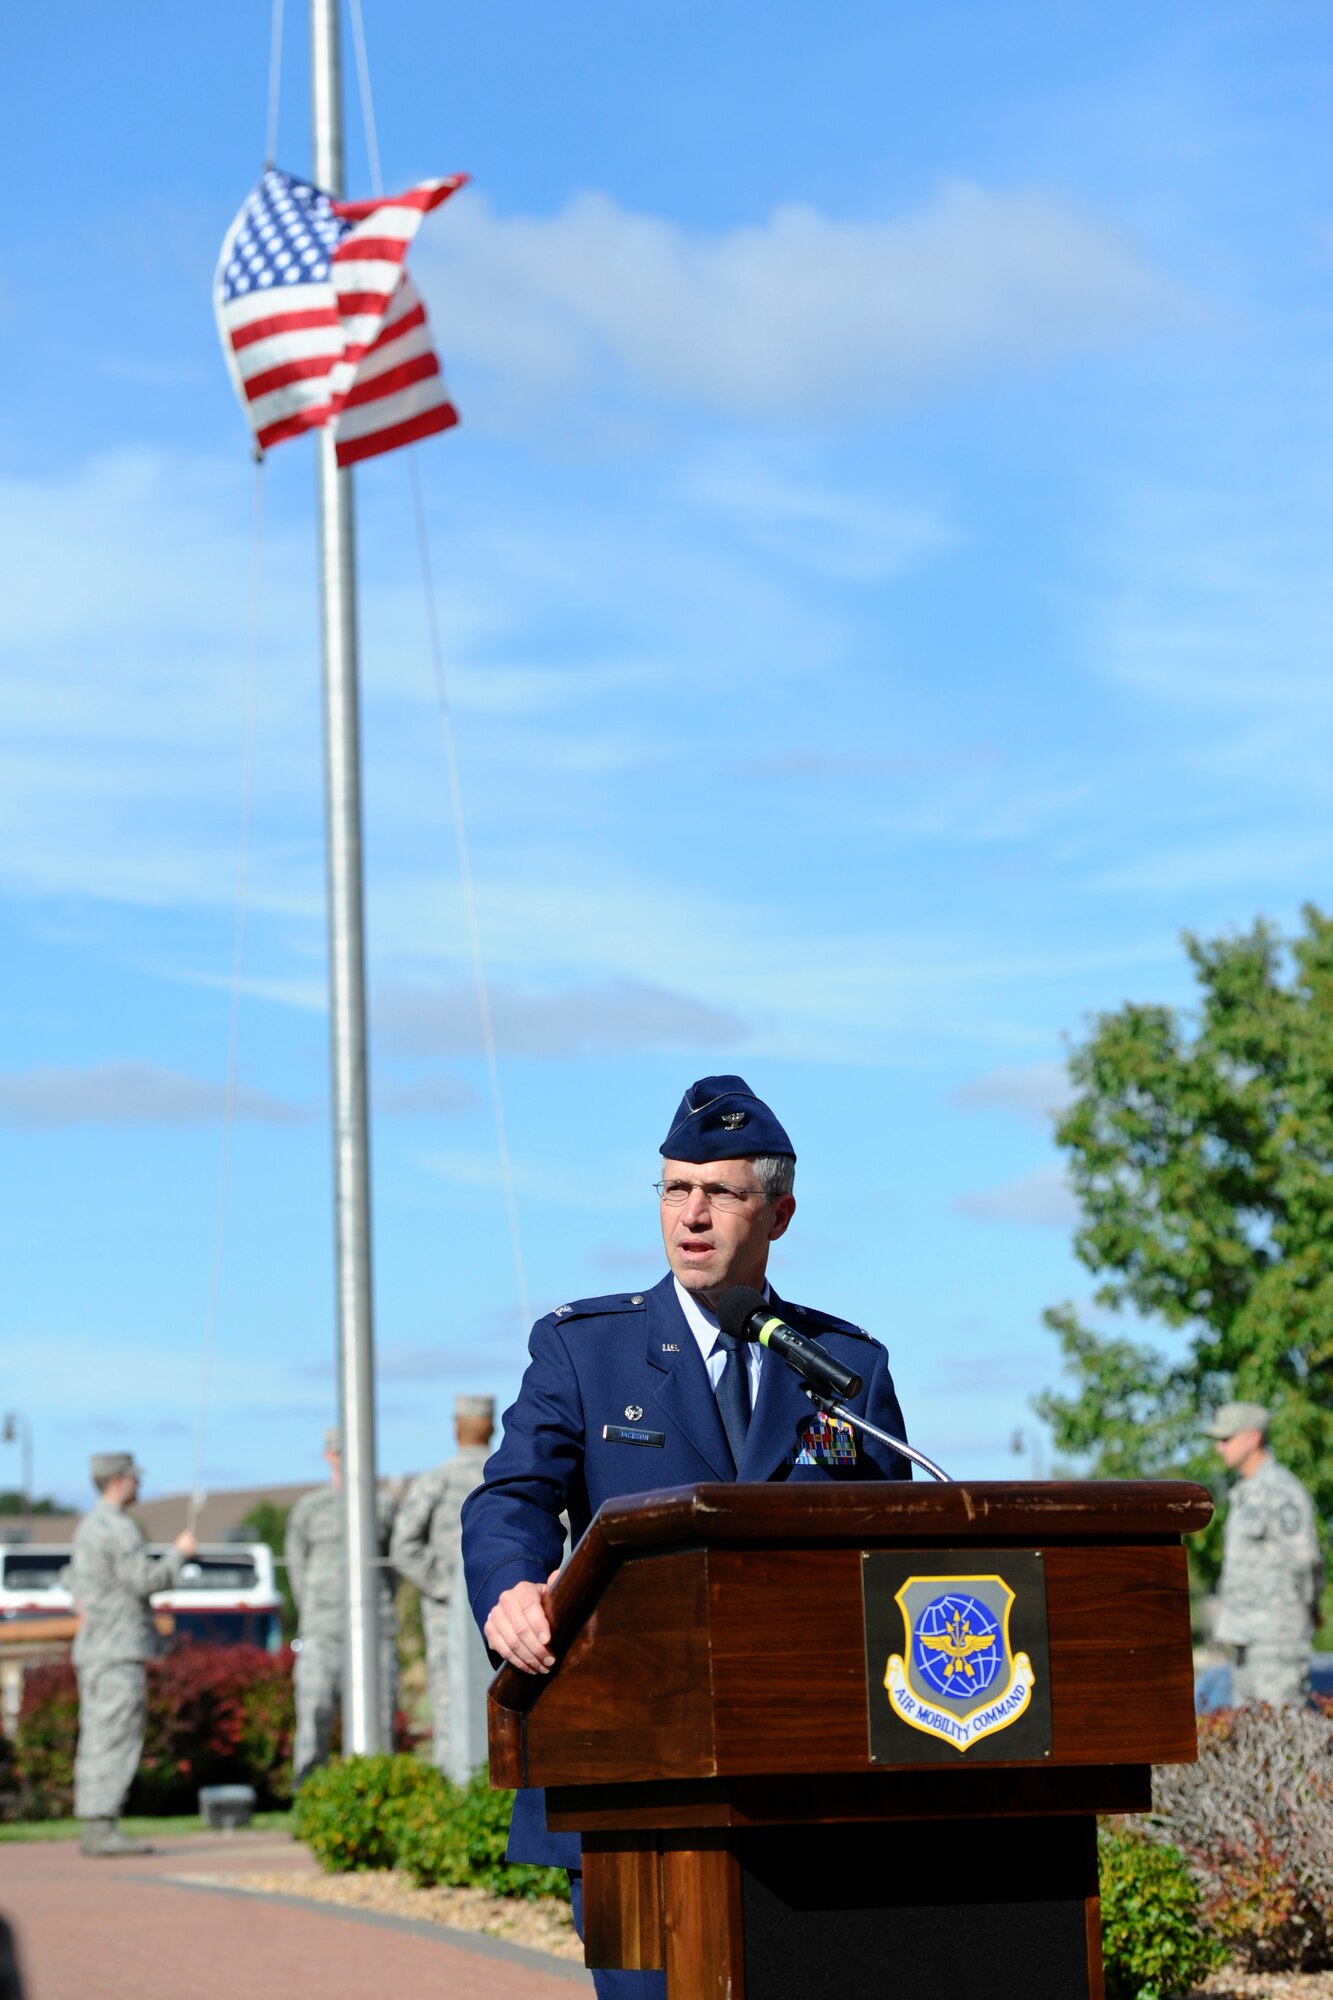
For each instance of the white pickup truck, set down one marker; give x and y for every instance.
(226, 1593)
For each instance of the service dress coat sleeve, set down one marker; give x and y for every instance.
(512, 1531)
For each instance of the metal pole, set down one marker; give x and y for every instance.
(347, 988)
(17, 1426)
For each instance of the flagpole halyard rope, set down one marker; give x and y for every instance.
(450, 743)
(234, 1020)
(367, 101)
(469, 893)
(274, 85)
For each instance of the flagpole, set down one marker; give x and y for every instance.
(347, 986)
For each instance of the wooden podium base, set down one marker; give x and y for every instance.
(770, 1806)
(1003, 1907)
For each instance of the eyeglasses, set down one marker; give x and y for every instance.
(725, 1199)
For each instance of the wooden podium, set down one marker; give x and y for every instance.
(851, 1740)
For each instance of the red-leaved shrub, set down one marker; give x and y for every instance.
(1254, 1820)
(42, 1766)
(216, 1715)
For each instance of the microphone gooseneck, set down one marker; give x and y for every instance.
(743, 1313)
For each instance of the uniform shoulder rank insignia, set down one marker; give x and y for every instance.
(615, 1302)
(958, 1678)
(825, 1440)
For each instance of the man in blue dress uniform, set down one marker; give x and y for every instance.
(644, 1390)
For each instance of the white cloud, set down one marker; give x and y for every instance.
(1223, 602)
(1259, 857)
(421, 1364)
(1041, 1200)
(142, 534)
(621, 1260)
(127, 1380)
(1033, 1090)
(152, 374)
(554, 1183)
(128, 1094)
(808, 760)
(853, 537)
(617, 1015)
(428, 1096)
(122, 702)
(800, 317)
(993, 1371)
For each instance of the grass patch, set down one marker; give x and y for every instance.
(142, 1829)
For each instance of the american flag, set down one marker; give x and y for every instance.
(320, 322)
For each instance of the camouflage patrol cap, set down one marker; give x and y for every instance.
(114, 1465)
(333, 1442)
(1233, 1417)
(475, 1409)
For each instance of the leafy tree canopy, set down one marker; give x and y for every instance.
(1200, 1150)
(12, 1502)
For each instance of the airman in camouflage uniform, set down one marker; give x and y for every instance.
(317, 1572)
(427, 1546)
(1272, 1570)
(112, 1578)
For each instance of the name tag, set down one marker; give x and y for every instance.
(623, 1434)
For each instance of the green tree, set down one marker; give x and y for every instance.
(11, 1502)
(267, 1522)
(1200, 1149)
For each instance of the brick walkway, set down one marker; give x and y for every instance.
(125, 1930)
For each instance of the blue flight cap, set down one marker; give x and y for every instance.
(720, 1118)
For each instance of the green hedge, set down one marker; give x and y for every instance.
(1153, 1943)
(347, 1811)
(396, 1812)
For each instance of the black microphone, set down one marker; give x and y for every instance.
(743, 1313)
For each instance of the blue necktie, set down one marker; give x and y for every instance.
(733, 1394)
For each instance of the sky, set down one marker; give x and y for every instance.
(883, 575)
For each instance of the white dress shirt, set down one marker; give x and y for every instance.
(703, 1325)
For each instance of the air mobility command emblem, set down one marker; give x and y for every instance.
(958, 1677)
(956, 1657)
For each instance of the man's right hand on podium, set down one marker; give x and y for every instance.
(519, 1629)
